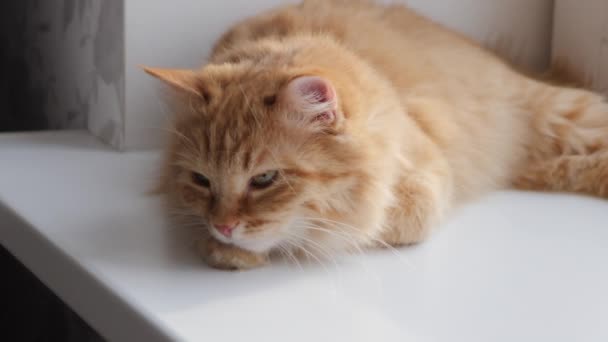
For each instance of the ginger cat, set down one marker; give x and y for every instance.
(332, 125)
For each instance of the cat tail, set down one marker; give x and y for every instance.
(569, 145)
(574, 173)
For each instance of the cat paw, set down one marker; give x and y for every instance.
(228, 257)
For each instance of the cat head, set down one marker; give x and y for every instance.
(255, 156)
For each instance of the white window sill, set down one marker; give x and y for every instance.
(512, 267)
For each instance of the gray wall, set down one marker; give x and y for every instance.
(57, 58)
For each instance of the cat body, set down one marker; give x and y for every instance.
(336, 125)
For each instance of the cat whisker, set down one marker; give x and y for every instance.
(345, 237)
(341, 225)
(355, 244)
(183, 217)
(352, 242)
(192, 225)
(183, 212)
(317, 246)
(183, 222)
(289, 254)
(297, 244)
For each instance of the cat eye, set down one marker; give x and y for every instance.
(200, 180)
(264, 180)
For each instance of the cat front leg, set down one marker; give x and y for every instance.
(422, 199)
(229, 257)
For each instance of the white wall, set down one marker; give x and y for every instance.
(519, 29)
(581, 40)
(179, 33)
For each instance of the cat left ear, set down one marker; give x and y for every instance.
(180, 79)
(313, 99)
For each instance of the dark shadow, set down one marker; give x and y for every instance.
(31, 312)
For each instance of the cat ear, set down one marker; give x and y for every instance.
(180, 79)
(314, 101)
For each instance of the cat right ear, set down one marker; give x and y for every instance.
(312, 101)
(179, 79)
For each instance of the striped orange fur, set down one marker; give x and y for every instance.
(377, 121)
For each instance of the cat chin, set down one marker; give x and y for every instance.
(219, 237)
(260, 245)
(255, 245)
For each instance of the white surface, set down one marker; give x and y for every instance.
(180, 34)
(512, 267)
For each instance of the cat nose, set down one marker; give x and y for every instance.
(226, 228)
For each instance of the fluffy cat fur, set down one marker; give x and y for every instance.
(378, 122)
